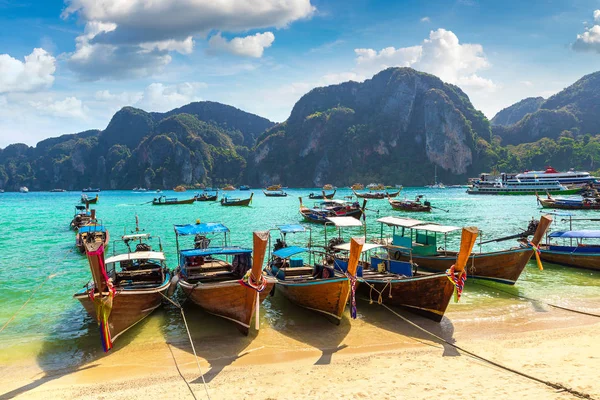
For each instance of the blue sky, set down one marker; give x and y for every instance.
(69, 66)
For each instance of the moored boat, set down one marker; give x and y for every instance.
(275, 193)
(58, 190)
(244, 187)
(569, 204)
(322, 196)
(331, 208)
(415, 205)
(207, 196)
(315, 286)
(400, 283)
(91, 233)
(89, 200)
(165, 201)
(228, 201)
(90, 190)
(226, 281)
(126, 287)
(574, 249)
(375, 195)
(505, 186)
(504, 266)
(274, 187)
(82, 217)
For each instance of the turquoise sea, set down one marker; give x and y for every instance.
(35, 243)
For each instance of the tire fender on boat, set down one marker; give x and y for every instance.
(173, 286)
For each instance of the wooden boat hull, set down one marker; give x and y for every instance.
(230, 299)
(93, 200)
(321, 218)
(129, 306)
(376, 196)
(81, 245)
(245, 202)
(172, 203)
(207, 198)
(411, 207)
(321, 196)
(569, 206)
(571, 258)
(327, 296)
(427, 294)
(500, 266)
(278, 194)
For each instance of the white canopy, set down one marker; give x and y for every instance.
(401, 222)
(138, 255)
(436, 228)
(344, 221)
(366, 246)
(136, 236)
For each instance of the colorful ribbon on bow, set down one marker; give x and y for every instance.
(352, 279)
(249, 282)
(458, 282)
(537, 253)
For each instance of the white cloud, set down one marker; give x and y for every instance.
(249, 46)
(70, 107)
(425, 19)
(332, 79)
(35, 73)
(160, 98)
(590, 39)
(122, 99)
(441, 54)
(527, 83)
(138, 35)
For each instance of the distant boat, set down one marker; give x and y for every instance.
(228, 187)
(164, 201)
(521, 188)
(158, 191)
(1, 190)
(206, 196)
(180, 188)
(328, 187)
(23, 189)
(275, 193)
(89, 189)
(141, 190)
(91, 233)
(322, 196)
(244, 187)
(331, 208)
(227, 201)
(569, 204)
(376, 195)
(86, 200)
(57, 190)
(415, 205)
(436, 184)
(358, 186)
(274, 187)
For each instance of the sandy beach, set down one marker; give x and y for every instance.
(379, 355)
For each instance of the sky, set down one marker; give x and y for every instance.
(68, 66)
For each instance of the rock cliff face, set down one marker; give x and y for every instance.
(513, 114)
(394, 127)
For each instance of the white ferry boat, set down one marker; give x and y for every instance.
(570, 177)
(521, 188)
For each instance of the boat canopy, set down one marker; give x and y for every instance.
(583, 234)
(436, 228)
(286, 252)
(207, 227)
(92, 228)
(291, 228)
(138, 255)
(215, 251)
(136, 236)
(344, 221)
(400, 222)
(366, 247)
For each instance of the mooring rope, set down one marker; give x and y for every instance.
(475, 281)
(191, 342)
(50, 276)
(553, 385)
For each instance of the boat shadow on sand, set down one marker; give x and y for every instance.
(309, 327)
(72, 345)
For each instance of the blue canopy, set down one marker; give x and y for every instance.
(207, 227)
(215, 251)
(92, 228)
(289, 251)
(584, 234)
(291, 228)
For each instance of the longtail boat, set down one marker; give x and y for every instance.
(87, 200)
(91, 233)
(126, 287)
(573, 250)
(504, 266)
(275, 193)
(274, 187)
(232, 286)
(228, 201)
(322, 196)
(165, 201)
(375, 195)
(207, 197)
(331, 208)
(317, 287)
(82, 217)
(398, 283)
(415, 205)
(244, 187)
(90, 190)
(569, 204)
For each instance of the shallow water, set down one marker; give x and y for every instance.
(35, 243)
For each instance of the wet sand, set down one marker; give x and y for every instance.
(376, 356)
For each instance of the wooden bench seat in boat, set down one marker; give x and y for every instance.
(297, 271)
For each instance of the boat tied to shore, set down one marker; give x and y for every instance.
(389, 281)
(417, 241)
(376, 195)
(169, 201)
(331, 208)
(275, 193)
(207, 196)
(322, 196)
(85, 199)
(585, 203)
(229, 201)
(125, 288)
(415, 205)
(225, 280)
(313, 285)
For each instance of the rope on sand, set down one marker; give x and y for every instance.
(191, 342)
(557, 386)
(50, 276)
(475, 281)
